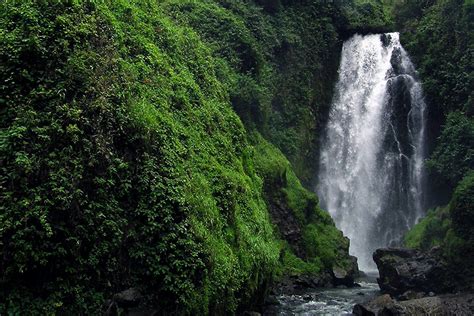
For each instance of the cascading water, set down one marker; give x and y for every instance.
(371, 161)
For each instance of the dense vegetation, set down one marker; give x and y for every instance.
(439, 36)
(125, 162)
(166, 145)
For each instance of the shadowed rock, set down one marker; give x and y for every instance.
(346, 276)
(458, 305)
(403, 270)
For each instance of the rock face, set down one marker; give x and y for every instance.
(126, 303)
(345, 276)
(298, 284)
(301, 283)
(413, 281)
(128, 298)
(458, 305)
(287, 224)
(411, 271)
(386, 39)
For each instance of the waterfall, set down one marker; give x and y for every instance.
(371, 160)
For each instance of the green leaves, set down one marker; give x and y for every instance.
(453, 158)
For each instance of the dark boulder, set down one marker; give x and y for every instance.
(373, 307)
(128, 298)
(298, 284)
(283, 217)
(434, 306)
(403, 270)
(345, 276)
(386, 39)
(396, 61)
(411, 295)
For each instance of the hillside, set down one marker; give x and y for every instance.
(172, 147)
(132, 153)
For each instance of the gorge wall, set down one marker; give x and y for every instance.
(164, 145)
(132, 153)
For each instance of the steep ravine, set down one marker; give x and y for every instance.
(437, 277)
(371, 165)
(158, 157)
(133, 166)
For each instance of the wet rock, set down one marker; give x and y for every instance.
(128, 298)
(435, 306)
(298, 284)
(271, 300)
(396, 62)
(386, 39)
(403, 270)
(345, 276)
(340, 273)
(283, 217)
(362, 310)
(251, 313)
(410, 295)
(373, 307)
(307, 297)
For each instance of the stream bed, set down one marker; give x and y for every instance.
(329, 301)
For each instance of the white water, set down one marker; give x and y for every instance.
(371, 161)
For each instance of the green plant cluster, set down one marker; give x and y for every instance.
(323, 245)
(125, 163)
(453, 156)
(280, 63)
(430, 231)
(368, 16)
(438, 34)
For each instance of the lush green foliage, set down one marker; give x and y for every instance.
(282, 66)
(438, 34)
(462, 208)
(368, 16)
(324, 245)
(445, 223)
(430, 231)
(124, 163)
(454, 156)
(120, 154)
(279, 67)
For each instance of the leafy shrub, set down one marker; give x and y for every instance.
(324, 244)
(438, 36)
(430, 231)
(454, 154)
(462, 208)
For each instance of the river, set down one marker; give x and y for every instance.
(329, 301)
